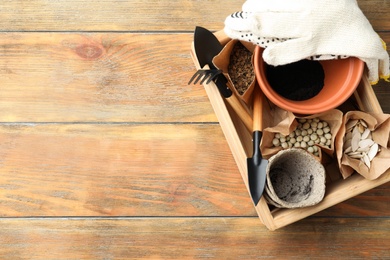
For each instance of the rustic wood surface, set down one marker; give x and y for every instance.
(107, 153)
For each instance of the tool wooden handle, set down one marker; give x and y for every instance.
(257, 109)
(241, 111)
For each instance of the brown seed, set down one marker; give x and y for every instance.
(363, 123)
(350, 124)
(361, 128)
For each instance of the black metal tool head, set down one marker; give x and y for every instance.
(257, 167)
(206, 46)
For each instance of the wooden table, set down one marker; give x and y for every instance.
(107, 153)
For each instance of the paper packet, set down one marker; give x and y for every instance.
(286, 122)
(379, 124)
(222, 61)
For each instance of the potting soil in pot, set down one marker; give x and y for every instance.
(297, 81)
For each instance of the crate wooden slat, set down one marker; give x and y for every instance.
(240, 143)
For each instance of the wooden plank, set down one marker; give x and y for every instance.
(51, 77)
(132, 170)
(118, 170)
(130, 15)
(192, 238)
(137, 15)
(374, 202)
(382, 91)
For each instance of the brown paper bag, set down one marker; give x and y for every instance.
(334, 118)
(282, 122)
(379, 124)
(286, 122)
(222, 61)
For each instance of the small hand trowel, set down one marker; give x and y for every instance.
(257, 165)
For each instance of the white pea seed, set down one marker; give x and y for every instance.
(293, 140)
(308, 133)
(317, 154)
(276, 142)
(320, 132)
(326, 130)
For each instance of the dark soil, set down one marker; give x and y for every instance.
(297, 81)
(240, 68)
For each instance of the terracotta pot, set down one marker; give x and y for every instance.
(342, 77)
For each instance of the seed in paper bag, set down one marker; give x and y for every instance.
(358, 142)
(308, 134)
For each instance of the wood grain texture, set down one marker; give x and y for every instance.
(374, 203)
(132, 170)
(193, 238)
(136, 15)
(130, 77)
(107, 153)
(50, 77)
(118, 170)
(131, 15)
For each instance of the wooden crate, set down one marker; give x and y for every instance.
(240, 143)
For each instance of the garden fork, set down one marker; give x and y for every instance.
(206, 76)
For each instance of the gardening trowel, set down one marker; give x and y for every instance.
(257, 165)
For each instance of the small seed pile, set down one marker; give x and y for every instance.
(240, 68)
(358, 142)
(308, 134)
